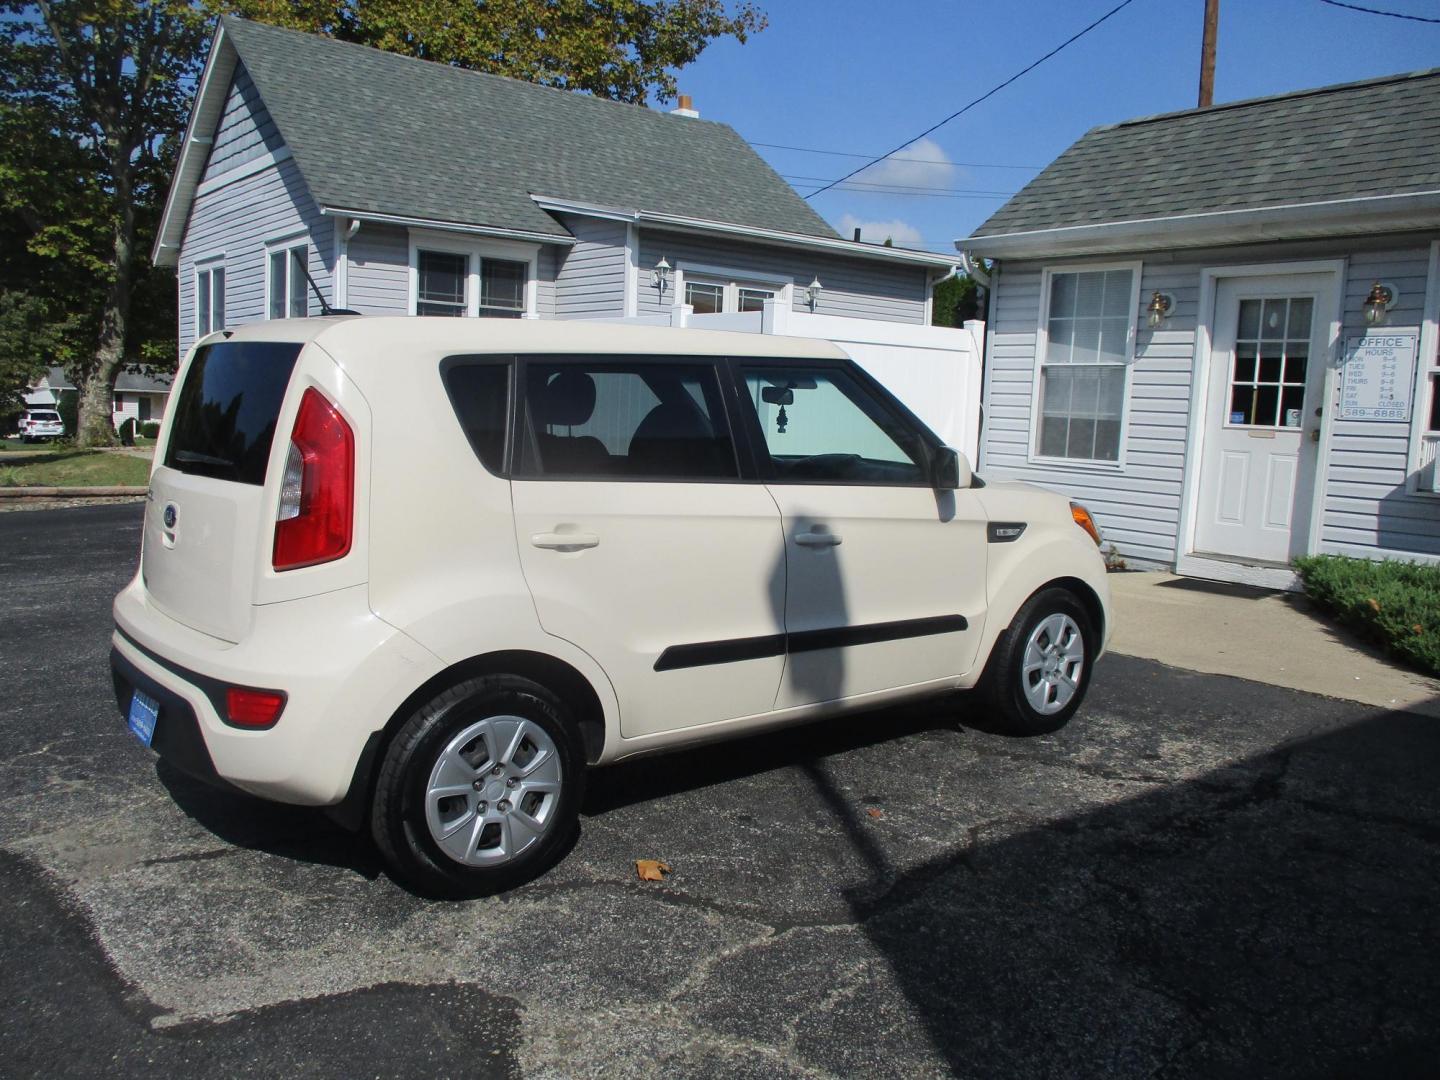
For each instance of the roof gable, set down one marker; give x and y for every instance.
(1353, 141)
(381, 133)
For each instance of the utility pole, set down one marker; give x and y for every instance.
(1207, 54)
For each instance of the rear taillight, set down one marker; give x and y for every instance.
(253, 708)
(317, 495)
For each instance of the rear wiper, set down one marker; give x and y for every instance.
(192, 458)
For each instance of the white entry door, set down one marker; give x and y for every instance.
(1257, 472)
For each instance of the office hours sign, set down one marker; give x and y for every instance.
(1378, 380)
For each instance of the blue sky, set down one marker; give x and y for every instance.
(860, 76)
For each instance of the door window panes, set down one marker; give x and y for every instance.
(1271, 362)
(1083, 378)
(821, 425)
(640, 421)
(440, 279)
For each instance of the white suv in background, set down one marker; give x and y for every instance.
(39, 424)
(604, 541)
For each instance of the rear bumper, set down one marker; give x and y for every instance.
(344, 672)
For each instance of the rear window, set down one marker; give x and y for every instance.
(49, 416)
(226, 413)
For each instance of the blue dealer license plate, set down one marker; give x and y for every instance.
(144, 710)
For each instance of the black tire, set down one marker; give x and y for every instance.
(1002, 686)
(398, 819)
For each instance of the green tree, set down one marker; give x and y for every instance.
(99, 89)
(957, 299)
(31, 338)
(621, 49)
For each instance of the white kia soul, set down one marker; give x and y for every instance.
(426, 572)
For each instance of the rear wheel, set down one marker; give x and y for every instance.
(1040, 669)
(480, 789)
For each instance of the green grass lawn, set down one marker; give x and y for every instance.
(1395, 604)
(74, 468)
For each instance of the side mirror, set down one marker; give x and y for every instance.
(949, 470)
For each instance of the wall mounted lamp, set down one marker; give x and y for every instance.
(812, 292)
(1382, 298)
(1160, 308)
(660, 276)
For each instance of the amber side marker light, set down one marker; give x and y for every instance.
(1085, 521)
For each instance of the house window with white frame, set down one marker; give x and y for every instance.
(459, 283)
(1083, 370)
(209, 299)
(286, 270)
(1429, 448)
(712, 295)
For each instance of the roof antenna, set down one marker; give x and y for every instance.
(325, 308)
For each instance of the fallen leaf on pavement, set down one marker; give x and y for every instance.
(874, 811)
(651, 869)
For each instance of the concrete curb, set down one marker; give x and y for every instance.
(70, 492)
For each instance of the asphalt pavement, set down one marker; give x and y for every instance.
(1199, 876)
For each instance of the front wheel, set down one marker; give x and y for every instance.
(1040, 669)
(480, 789)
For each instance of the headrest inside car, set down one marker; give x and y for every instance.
(567, 400)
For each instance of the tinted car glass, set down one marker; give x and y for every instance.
(822, 425)
(636, 420)
(480, 395)
(227, 409)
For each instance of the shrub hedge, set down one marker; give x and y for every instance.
(1395, 604)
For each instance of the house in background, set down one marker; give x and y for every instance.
(140, 396)
(1218, 328)
(319, 170)
(45, 392)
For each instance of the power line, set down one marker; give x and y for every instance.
(1377, 11)
(988, 94)
(895, 157)
(880, 186)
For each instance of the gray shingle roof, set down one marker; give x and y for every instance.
(380, 133)
(1379, 137)
(144, 382)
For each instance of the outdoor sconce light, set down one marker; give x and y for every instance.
(1161, 305)
(660, 276)
(1381, 299)
(812, 292)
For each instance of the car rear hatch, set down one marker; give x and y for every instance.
(208, 514)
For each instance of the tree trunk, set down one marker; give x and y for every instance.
(96, 426)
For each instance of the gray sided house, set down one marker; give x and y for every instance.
(1218, 329)
(399, 186)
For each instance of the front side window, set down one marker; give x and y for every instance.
(287, 270)
(1083, 373)
(822, 425)
(440, 282)
(209, 299)
(611, 419)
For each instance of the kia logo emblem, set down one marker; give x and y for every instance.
(170, 515)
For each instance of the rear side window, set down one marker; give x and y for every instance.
(228, 407)
(613, 419)
(480, 396)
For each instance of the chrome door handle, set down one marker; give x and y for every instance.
(816, 539)
(557, 541)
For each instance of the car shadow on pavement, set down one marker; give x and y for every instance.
(1275, 917)
(303, 833)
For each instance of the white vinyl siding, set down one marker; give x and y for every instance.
(857, 288)
(379, 277)
(244, 214)
(1368, 509)
(590, 282)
